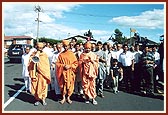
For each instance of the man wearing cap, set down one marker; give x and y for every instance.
(88, 63)
(66, 67)
(40, 75)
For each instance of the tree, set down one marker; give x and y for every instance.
(88, 34)
(118, 37)
(49, 40)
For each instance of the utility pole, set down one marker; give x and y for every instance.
(38, 9)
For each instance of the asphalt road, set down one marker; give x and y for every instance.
(23, 102)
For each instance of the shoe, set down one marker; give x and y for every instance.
(36, 103)
(108, 87)
(87, 101)
(94, 102)
(115, 92)
(101, 95)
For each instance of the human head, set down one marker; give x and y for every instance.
(59, 47)
(146, 48)
(74, 40)
(119, 46)
(65, 44)
(132, 48)
(136, 47)
(40, 46)
(77, 47)
(27, 50)
(125, 47)
(99, 45)
(71, 45)
(154, 49)
(115, 61)
(93, 46)
(105, 46)
(87, 47)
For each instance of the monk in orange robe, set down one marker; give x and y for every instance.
(40, 75)
(88, 64)
(66, 67)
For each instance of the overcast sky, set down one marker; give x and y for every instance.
(60, 20)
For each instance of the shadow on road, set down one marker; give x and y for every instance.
(19, 79)
(23, 96)
(15, 86)
(54, 97)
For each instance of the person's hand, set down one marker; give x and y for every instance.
(67, 67)
(33, 79)
(132, 68)
(146, 61)
(90, 59)
(121, 78)
(53, 66)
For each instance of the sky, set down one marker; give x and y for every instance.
(62, 20)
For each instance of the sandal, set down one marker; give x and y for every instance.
(94, 102)
(69, 101)
(44, 103)
(36, 103)
(62, 101)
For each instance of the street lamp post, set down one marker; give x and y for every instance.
(37, 9)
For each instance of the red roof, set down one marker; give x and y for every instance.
(16, 37)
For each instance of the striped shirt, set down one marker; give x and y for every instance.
(147, 56)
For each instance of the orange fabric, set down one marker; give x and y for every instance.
(40, 76)
(88, 45)
(65, 42)
(89, 72)
(40, 44)
(66, 78)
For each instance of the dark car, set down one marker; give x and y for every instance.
(16, 51)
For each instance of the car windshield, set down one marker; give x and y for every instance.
(16, 47)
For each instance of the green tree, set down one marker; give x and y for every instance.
(89, 34)
(49, 40)
(118, 37)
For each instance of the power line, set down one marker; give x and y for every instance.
(83, 14)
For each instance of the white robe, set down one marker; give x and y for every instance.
(53, 74)
(25, 73)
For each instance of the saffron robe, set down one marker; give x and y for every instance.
(66, 78)
(89, 72)
(40, 76)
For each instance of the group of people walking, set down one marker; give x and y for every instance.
(72, 67)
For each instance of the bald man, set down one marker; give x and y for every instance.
(40, 75)
(66, 68)
(88, 63)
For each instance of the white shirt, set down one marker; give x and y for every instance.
(108, 59)
(49, 53)
(157, 57)
(55, 56)
(32, 50)
(25, 61)
(126, 58)
(137, 55)
(118, 53)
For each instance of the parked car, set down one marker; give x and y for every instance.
(16, 51)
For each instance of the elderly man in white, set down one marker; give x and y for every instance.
(25, 73)
(53, 74)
